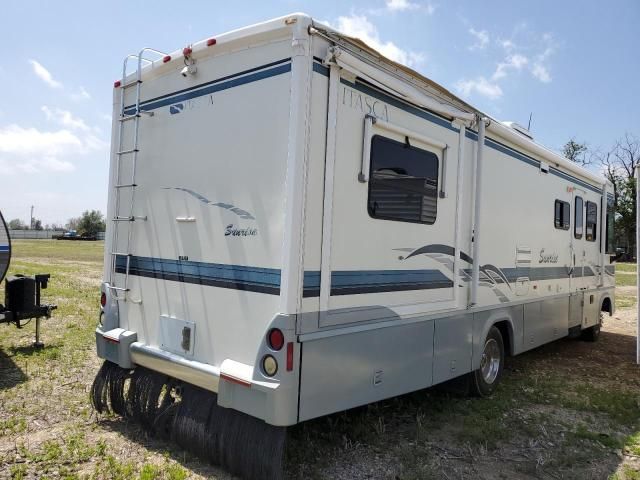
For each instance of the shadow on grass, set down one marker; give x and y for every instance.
(137, 434)
(10, 374)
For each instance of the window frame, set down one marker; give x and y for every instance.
(560, 224)
(577, 235)
(371, 180)
(587, 223)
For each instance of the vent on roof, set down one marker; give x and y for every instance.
(519, 128)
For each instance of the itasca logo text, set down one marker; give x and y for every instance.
(240, 232)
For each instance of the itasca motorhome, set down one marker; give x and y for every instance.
(299, 226)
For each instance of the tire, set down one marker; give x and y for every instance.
(486, 378)
(592, 334)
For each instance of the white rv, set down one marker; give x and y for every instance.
(300, 226)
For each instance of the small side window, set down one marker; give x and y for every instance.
(592, 222)
(579, 218)
(562, 213)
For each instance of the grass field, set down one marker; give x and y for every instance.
(568, 410)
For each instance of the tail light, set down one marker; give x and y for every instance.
(275, 339)
(103, 299)
(269, 365)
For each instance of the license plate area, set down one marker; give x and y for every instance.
(177, 336)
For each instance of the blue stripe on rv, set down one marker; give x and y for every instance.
(443, 122)
(4, 248)
(224, 83)
(253, 279)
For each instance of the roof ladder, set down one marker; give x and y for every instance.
(123, 215)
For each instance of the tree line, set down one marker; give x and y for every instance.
(89, 223)
(618, 165)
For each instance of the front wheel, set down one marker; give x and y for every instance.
(485, 379)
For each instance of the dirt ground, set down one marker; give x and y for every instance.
(568, 410)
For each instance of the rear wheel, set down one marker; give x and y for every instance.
(485, 379)
(592, 334)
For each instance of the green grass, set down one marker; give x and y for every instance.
(625, 279)
(625, 267)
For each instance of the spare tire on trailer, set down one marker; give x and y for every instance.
(5, 248)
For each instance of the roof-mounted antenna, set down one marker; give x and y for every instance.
(529, 125)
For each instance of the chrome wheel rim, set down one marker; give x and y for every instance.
(490, 361)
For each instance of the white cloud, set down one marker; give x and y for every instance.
(360, 27)
(44, 75)
(400, 5)
(512, 63)
(65, 118)
(541, 72)
(81, 94)
(479, 85)
(482, 39)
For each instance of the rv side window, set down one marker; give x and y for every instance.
(592, 221)
(609, 244)
(561, 216)
(579, 213)
(403, 182)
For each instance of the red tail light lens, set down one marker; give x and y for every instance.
(289, 356)
(275, 339)
(103, 299)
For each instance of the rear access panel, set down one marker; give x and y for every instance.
(345, 371)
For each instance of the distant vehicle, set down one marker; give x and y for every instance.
(298, 226)
(73, 235)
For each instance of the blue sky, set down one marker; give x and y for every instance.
(573, 64)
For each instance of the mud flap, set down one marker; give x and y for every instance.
(191, 417)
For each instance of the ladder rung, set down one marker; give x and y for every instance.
(126, 118)
(131, 84)
(121, 254)
(126, 185)
(124, 152)
(129, 219)
(119, 289)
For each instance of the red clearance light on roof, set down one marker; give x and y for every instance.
(211, 42)
(186, 51)
(166, 58)
(116, 84)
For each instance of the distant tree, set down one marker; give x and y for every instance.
(91, 222)
(619, 166)
(17, 224)
(37, 224)
(576, 152)
(72, 223)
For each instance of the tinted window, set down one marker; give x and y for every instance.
(562, 213)
(579, 220)
(609, 244)
(403, 182)
(592, 221)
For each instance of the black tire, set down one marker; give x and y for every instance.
(592, 334)
(485, 379)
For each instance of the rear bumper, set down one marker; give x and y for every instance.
(234, 382)
(196, 373)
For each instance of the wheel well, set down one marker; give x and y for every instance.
(505, 330)
(606, 306)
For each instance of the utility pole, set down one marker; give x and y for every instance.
(31, 224)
